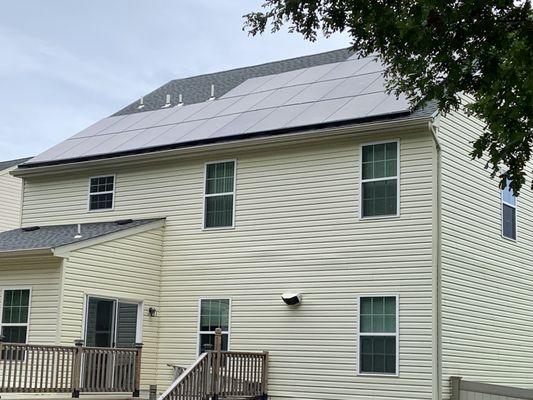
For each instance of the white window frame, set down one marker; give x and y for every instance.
(199, 332)
(27, 324)
(360, 335)
(205, 195)
(98, 193)
(397, 177)
(140, 315)
(515, 206)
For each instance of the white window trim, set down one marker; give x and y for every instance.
(234, 193)
(360, 335)
(140, 315)
(27, 324)
(199, 332)
(397, 177)
(515, 206)
(97, 193)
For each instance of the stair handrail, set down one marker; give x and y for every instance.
(183, 376)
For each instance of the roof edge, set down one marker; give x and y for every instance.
(65, 250)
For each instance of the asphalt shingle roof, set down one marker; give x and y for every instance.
(49, 237)
(11, 163)
(197, 89)
(307, 93)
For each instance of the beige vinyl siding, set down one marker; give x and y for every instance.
(487, 280)
(42, 276)
(296, 228)
(10, 200)
(128, 269)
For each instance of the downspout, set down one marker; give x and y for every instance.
(436, 271)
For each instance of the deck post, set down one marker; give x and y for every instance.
(455, 382)
(137, 383)
(216, 366)
(264, 395)
(76, 368)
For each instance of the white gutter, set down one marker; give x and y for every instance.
(161, 155)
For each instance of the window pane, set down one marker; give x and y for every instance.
(380, 198)
(102, 184)
(15, 307)
(509, 221)
(219, 211)
(101, 201)
(380, 160)
(378, 354)
(378, 315)
(15, 334)
(507, 196)
(207, 342)
(214, 314)
(220, 177)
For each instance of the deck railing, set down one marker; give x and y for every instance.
(30, 368)
(220, 374)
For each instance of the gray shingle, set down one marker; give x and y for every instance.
(197, 89)
(11, 163)
(48, 237)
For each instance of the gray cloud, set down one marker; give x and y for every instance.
(66, 64)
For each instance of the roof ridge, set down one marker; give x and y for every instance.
(260, 65)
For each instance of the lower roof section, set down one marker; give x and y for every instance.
(53, 237)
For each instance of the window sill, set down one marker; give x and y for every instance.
(222, 228)
(379, 217)
(378, 375)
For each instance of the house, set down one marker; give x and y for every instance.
(215, 200)
(10, 195)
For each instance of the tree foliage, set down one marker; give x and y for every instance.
(436, 50)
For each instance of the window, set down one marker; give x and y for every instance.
(101, 193)
(379, 180)
(219, 195)
(15, 316)
(378, 335)
(214, 313)
(508, 213)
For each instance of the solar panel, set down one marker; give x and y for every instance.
(326, 93)
(317, 113)
(279, 97)
(280, 80)
(278, 118)
(358, 107)
(314, 92)
(312, 74)
(98, 126)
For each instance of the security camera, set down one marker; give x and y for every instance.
(292, 299)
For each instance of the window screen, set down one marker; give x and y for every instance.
(378, 334)
(101, 193)
(219, 194)
(379, 180)
(214, 313)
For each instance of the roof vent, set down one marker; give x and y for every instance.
(78, 234)
(123, 222)
(167, 102)
(31, 228)
(180, 100)
(212, 92)
(141, 103)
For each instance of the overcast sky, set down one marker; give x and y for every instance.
(65, 64)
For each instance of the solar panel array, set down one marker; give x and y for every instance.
(334, 92)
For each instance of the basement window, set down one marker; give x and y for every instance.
(380, 164)
(378, 335)
(219, 196)
(508, 213)
(101, 193)
(15, 319)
